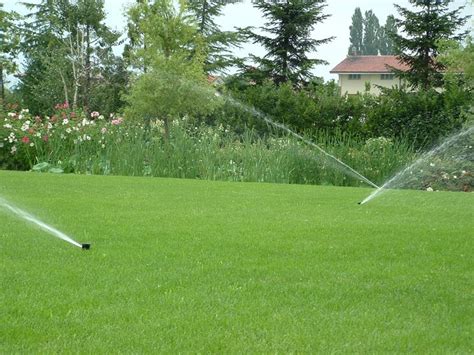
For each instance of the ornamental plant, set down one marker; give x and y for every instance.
(26, 140)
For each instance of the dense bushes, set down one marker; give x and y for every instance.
(418, 117)
(70, 142)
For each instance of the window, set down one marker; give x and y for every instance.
(354, 76)
(386, 76)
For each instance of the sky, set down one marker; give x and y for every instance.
(244, 14)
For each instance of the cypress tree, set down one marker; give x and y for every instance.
(356, 33)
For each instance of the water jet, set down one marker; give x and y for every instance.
(47, 228)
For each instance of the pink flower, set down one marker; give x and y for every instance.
(62, 106)
(117, 121)
(45, 138)
(25, 140)
(95, 114)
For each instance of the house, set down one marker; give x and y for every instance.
(215, 80)
(359, 72)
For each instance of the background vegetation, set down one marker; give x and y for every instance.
(172, 56)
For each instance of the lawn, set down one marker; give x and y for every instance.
(198, 266)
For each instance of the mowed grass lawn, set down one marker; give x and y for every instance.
(198, 266)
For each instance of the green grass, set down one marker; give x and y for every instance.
(198, 266)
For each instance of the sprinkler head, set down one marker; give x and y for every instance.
(359, 203)
(86, 246)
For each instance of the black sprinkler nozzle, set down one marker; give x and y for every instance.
(359, 203)
(86, 246)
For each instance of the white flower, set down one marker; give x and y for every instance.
(430, 189)
(455, 177)
(11, 137)
(11, 114)
(32, 144)
(13, 150)
(38, 134)
(7, 125)
(25, 110)
(68, 130)
(103, 145)
(65, 121)
(432, 164)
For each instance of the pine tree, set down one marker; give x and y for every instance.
(289, 25)
(219, 43)
(421, 31)
(356, 33)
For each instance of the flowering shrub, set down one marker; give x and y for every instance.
(26, 140)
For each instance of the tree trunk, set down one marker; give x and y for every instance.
(2, 88)
(88, 71)
(167, 129)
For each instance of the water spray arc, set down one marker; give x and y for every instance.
(397, 178)
(281, 126)
(32, 219)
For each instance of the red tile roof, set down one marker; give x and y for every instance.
(368, 64)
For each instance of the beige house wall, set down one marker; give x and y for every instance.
(358, 85)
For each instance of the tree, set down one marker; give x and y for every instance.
(458, 59)
(9, 46)
(356, 33)
(136, 38)
(87, 17)
(218, 43)
(417, 45)
(367, 37)
(370, 45)
(64, 42)
(175, 83)
(289, 25)
(386, 44)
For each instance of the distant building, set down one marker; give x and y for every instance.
(215, 80)
(356, 73)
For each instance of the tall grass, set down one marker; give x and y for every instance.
(205, 152)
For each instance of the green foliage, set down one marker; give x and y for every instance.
(65, 45)
(218, 43)
(386, 44)
(367, 37)
(370, 44)
(9, 47)
(175, 83)
(417, 45)
(289, 25)
(459, 62)
(356, 33)
(420, 117)
(70, 142)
